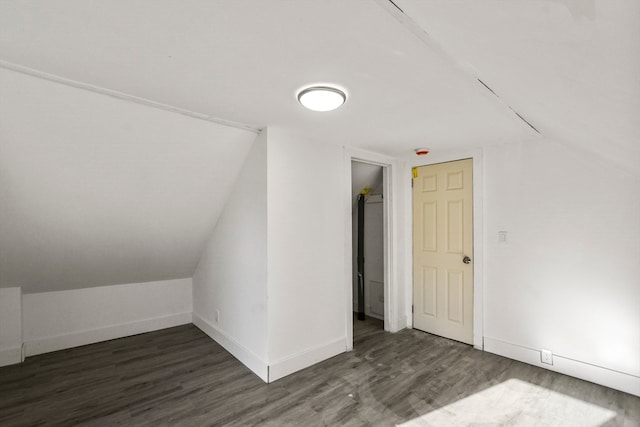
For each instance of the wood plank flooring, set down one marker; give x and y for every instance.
(180, 377)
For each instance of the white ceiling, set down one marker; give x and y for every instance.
(363, 176)
(569, 67)
(244, 61)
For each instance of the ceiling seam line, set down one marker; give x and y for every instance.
(396, 6)
(125, 97)
(406, 21)
(509, 106)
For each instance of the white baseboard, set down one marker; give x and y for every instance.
(585, 371)
(306, 358)
(75, 339)
(245, 356)
(10, 356)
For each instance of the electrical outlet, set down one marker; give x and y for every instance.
(217, 316)
(546, 356)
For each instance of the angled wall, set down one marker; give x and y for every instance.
(306, 252)
(105, 206)
(269, 286)
(230, 281)
(96, 190)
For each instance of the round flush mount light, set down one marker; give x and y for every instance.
(321, 98)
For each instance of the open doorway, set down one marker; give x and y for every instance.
(368, 247)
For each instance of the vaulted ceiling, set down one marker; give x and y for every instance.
(100, 190)
(97, 191)
(570, 67)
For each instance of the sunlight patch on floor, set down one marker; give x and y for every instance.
(515, 403)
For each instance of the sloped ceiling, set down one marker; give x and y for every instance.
(97, 190)
(364, 175)
(245, 60)
(571, 67)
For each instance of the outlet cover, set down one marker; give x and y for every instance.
(546, 356)
(217, 316)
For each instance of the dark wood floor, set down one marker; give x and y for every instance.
(180, 377)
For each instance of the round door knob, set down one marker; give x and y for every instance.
(466, 259)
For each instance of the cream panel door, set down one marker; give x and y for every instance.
(442, 238)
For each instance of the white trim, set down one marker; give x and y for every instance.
(478, 233)
(10, 356)
(371, 157)
(392, 316)
(244, 355)
(575, 368)
(123, 96)
(75, 339)
(305, 358)
(348, 253)
(389, 287)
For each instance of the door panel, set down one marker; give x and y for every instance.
(454, 226)
(455, 296)
(443, 236)
(429, 291)
(429, 228)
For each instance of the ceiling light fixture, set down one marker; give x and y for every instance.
(321, 98)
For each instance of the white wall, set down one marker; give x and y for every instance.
(306, 247)
(269, 285)
(10, 326)
(64, 319)
(230, 282)
(568, 278)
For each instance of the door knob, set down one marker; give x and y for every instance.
(466, 259)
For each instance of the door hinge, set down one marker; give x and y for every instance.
(411, 308)
(411, 182)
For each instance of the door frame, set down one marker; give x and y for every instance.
(389, 169)
(478, 234)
